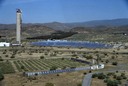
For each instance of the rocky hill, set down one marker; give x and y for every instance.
(28, 31)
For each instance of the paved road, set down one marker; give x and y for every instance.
(87, 80)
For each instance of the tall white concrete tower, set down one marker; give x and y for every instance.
(18, 25)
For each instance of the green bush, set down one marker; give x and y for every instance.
(94, 75)
(114, 76)
(122, 74)
(22, 67)
(64, 67)
(84, 73)
(107, 61)
(105, 54)
(90, 71)
(88, 56)
(118, 78)
(1, 75)
(1, 59)
(57, 75)
(124, 77)
(112, 83)
(41, 57)
(49, 84)
(62, 58)
(106, 80)
(113, 57)
(110, 74)
(4, 52)
(6, 55)
(74, 55)
(12, 56)
(53, 68)
(117, 71)
(101, 76)
(114, 63)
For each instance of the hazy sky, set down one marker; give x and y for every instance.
(40, 11)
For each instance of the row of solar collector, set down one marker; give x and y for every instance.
(54, 71)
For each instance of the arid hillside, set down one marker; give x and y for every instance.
(27, 31)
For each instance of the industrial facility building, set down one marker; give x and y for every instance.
(4, 44)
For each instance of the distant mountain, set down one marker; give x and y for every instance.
(113, 22)
(68, 26)
(58, 26)
(81, 29)
(95, 23)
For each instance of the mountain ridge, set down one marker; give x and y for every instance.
(69, 26)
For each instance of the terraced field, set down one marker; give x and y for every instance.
(45, 64)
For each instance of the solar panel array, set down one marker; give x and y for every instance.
(54, 71)
(72, 44)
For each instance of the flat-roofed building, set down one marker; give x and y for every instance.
(4, 44)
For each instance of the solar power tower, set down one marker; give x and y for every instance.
(18, 25)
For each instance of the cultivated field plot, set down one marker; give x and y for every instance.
(45, 64)
(6, 67)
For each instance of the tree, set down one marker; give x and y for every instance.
(118, 78)
(41, 57)
(114, 63)
(94, 75)
(22, 67)
(112, 83)
(113, 57)
(84, 73)
(62, 58)
(53, 68)
(101, 76)
(88, 56)
(107, 61)
(1, 59)
(12, 56)
(6, 55)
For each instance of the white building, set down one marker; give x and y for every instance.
(94, 67)
(4, 44)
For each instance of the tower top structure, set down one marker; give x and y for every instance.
(18, 11)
